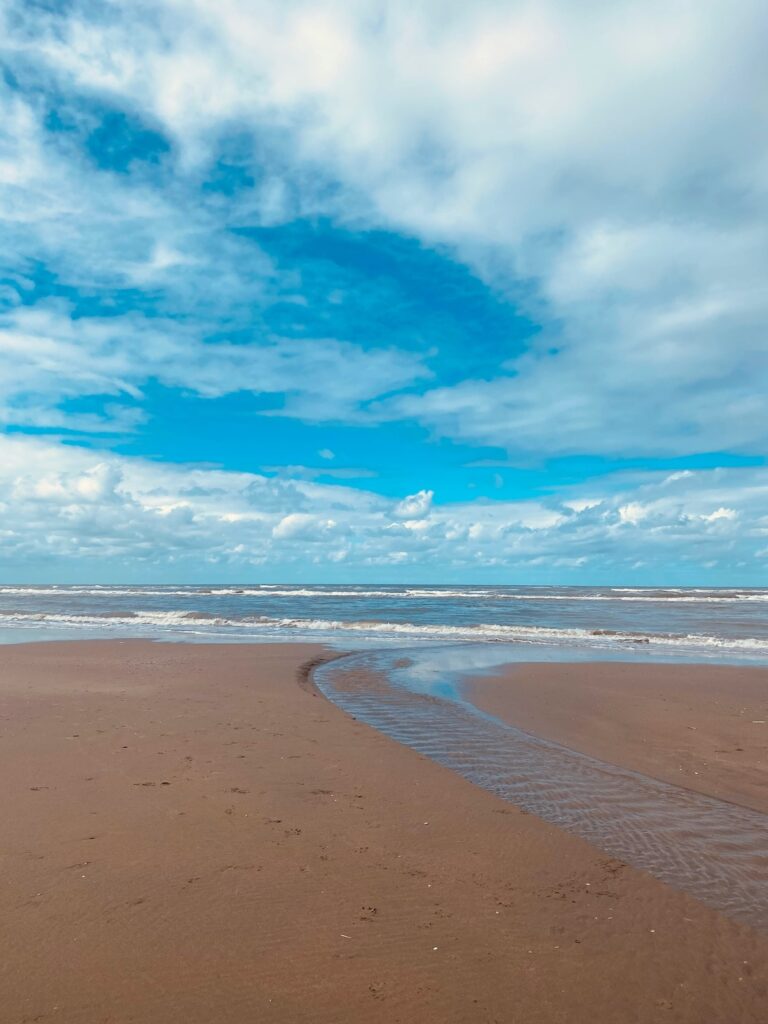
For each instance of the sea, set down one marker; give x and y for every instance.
(714, 624)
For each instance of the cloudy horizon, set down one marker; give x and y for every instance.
(331, 292)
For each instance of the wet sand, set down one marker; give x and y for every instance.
(188, 834)
(704, 727)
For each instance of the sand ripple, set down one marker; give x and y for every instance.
(716, 851)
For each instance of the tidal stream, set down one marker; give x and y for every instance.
(716, 851)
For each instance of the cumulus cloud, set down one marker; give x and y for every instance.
(632, 513)
(415, 505)
(65, 506)
(304, 526)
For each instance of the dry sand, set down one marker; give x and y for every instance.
(190, 836)
(704, 727)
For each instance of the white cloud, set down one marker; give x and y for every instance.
(720, 513)
(612, 156)
(303, 526)
(415, 505)
(70, 508)
(46, 357)
(102, 236)
(602, 166)
(632, 513)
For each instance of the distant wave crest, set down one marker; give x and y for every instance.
(271, 591)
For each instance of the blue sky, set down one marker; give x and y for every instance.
(360, 292)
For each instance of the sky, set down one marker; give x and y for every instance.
(384, 291)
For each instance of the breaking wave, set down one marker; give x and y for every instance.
(489, 632)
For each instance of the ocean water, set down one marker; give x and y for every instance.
(696, 623)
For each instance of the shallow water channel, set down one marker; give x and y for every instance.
(716, 851)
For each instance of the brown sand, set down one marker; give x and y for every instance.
(704, 727)
(189, 836)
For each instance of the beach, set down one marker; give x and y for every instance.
(383, 513)
(704, 727)
(192, 833)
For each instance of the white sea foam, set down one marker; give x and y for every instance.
(529, 634)
(107, 619)
(631, 594)
(179, 621)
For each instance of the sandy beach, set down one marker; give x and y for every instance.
(192, 834)
(704, 727)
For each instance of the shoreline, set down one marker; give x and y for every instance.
(196, 817)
